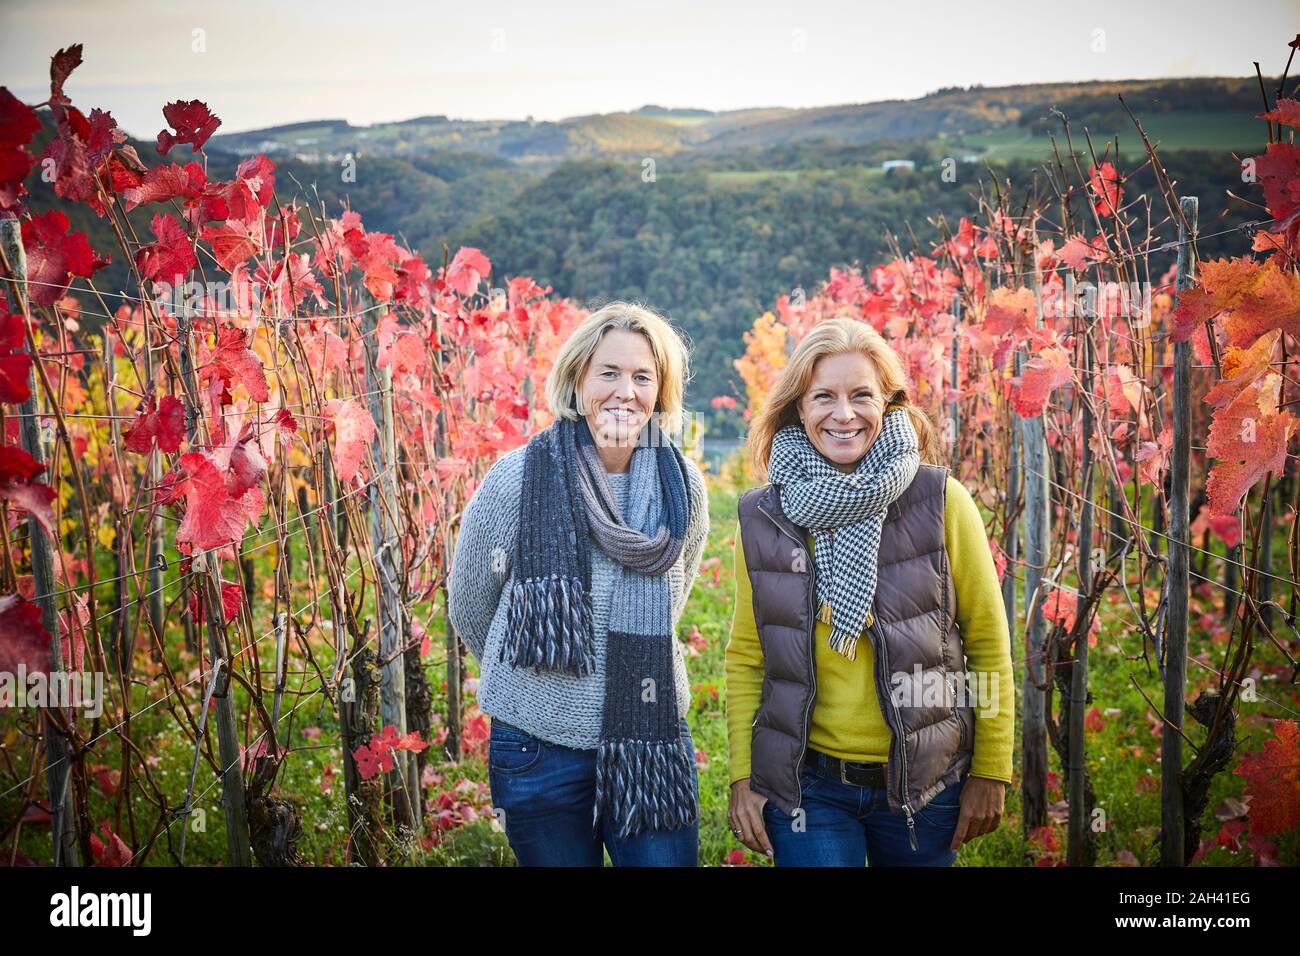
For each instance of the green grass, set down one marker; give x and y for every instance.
(1229, 130)
(748, 177)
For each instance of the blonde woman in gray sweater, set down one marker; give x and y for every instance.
(573, 564)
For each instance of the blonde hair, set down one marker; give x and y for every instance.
(672, 363)
(836, 337)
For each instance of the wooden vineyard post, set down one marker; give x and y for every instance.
(1172, 852)
(59, 775)
(1011, 532)
(1080, 850)
(1034, 741)
(402, 782)
(233, 797)
(455, 709)
(358, 689)
(956, 356)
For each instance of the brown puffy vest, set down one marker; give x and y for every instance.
(932, 735)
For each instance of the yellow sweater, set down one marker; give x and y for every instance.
(846, 720)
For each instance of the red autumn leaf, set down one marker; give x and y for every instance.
(1287, 112)
(379, 278)
(289, 281)
(367, 764)
(165, 183)
(232, 597)
(467, 270)
(1009, 311)
(15, 366)
(1153, 457)
(1227, 528)
(193, 122)
(111, 851)
(171, 257)
(212, 517)
(1103, 180)
(245, 197)
(161, 421)
(67, 156)
(233, 242)
(413, 281)
(1273, 781)
(106, 778)
(354, 430)
(1079, 254)
(18, 471)
(17, 465)
(121, 169)
(1060, 607)
(401, 348)
(1278, 171)
(325, 351)
(18, 123)
(23, 638)
(247, 466)
(62, 64)
(411, 741)
(286, 425)
(476, 733)
(74, 624)
(235, 363)
(54, 255)
(1230, 835)
(373, 758)
(1042, 374)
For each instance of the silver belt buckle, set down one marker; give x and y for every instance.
(843, 777)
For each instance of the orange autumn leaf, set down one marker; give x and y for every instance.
(1010, 311)
(1253, 298)
(1242, 368)
(1043, 373)
(1249, 437)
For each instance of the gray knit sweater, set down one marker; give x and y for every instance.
(559, 708)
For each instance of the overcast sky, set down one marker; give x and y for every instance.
(264, 63)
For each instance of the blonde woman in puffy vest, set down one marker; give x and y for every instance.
(870, 707)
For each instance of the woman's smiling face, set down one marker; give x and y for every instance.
(842, 408)
(620, 387)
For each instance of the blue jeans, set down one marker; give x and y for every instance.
(547, 796)
(845, 825)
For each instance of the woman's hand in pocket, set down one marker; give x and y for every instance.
(745, 816)
(981, 809)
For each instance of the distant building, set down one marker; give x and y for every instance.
(897, 164)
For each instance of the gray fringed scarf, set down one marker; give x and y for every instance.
(644, 777)
(845, 513)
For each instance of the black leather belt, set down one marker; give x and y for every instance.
(857, 773)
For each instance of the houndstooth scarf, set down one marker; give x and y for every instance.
(644, 778)
(845, 512)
